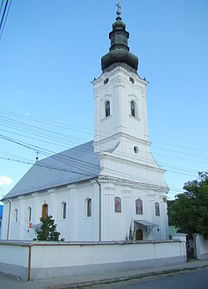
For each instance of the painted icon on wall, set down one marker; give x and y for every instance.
(117, 205)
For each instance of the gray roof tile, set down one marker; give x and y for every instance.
(73, 165)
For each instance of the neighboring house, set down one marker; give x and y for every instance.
(97, 190)
(1, 212)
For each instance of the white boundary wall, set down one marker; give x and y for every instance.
(40, 260)
(200, 247)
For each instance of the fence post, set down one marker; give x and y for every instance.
(29, 263)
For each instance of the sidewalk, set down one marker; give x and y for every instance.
(7, 282)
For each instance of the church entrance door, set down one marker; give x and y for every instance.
(139, 234)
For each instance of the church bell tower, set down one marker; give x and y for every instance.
(128, 168)
(120, 97)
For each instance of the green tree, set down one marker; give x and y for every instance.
(47, 230)
(189, 211)
(130, 237)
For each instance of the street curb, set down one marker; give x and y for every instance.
(126, 278)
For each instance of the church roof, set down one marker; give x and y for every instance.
(73, 165)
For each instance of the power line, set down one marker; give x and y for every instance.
(2, 2)
(64, 159)
(74, 161)
(181, 169)
(66, 141)
(87, 130)
(59, 157)
(5, 14)
(142, 159)
(175, 189)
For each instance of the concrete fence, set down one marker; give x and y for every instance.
(200, 247)
(38, 260)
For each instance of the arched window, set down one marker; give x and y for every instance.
(139, 207)
(117, 201)
(29, 214)
(133, 108)
(88, 207)
(63, 209)
(44, 210)
(16, 215)
(107, 108)
(157, 209)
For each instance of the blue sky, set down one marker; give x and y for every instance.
(50, 52)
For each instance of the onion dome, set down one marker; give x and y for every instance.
(119, 50)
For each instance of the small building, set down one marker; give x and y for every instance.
(97, 191)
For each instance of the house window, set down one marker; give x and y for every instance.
(117, 201)
(133, 108)
(16, 215)
(88, 207)
(29, 214)
(157, 209)
(63, 207)
(44, 211)
(139, 207)
(107, 108)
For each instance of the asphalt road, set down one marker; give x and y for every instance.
(197, 279)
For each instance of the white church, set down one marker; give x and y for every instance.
(98, 190)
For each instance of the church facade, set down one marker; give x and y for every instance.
(99, 190)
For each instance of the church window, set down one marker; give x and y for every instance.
(157, 209)
(133, 108)
(88, 207)
(29, 214)
(136, 150)
(16, 215)
(139, 207)
(117, 201)
(106, 80)
(44, 210)
(131, 79)
(107, 108)
(63, 207)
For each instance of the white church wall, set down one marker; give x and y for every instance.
(64, 225)
(16, 224)
(132, 171)
(87, 227)
(75, 227)
(115, 225)
(52, 259)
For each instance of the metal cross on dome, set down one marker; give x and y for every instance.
(118, 10)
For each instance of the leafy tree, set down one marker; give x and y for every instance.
(130, 237)
(171, 212)
(47, 230)
(189, 211)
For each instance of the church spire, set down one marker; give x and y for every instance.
(118, 12)
(119, 50)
